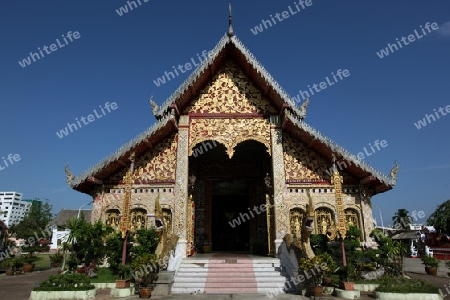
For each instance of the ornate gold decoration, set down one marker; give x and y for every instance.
(296, 221)
(230, 91)
(190, 226)
(336, 181)
(325, 222)
(279, 187)
(269, 205)
(159, 163)
(302, 163)
(138, 219)
(181, 184)
(128, 181)
(113, 218)
(351, 217)
(229, 132)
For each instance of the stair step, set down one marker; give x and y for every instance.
(229, 279)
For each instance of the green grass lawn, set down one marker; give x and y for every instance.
(104, 275)
(402, 285)
(43, 262)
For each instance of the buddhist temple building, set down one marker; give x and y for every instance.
(230, 160)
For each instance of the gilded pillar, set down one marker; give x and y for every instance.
(279, 182)
(181, 185)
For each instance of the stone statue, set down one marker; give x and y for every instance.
(69, 175)
(394, 171)
(308, 227)
(324, 226)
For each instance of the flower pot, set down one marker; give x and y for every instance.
(326, 281)
(145, 292)
(9, 272)
(431, 271)
(18, 272)
(347, 285)
(316, 291)
(28, 268)
(121, 284)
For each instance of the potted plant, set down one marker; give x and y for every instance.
(28, 263)
(124, 272)
(56, 259)
(145, 272)
(9, 263)
(431, 264)
(347, 276)
(311, 267)
(17, 263)
(329, 268)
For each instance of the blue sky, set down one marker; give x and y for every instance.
(117, 58)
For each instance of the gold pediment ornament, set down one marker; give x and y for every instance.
(230, 91)
(229, 132)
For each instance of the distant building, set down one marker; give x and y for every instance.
(12, 208)
(59, 231)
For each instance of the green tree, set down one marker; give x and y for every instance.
(402, 219)
(440, 218)
(146, 241)
(35, 223)
(87, 240)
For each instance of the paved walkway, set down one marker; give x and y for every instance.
(18, 287)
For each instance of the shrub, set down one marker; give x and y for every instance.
(66, 282)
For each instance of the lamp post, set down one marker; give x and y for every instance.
(79, 210)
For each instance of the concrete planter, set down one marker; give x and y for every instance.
(366, 287)
(46, 295)
(347, 294)
(408, 296)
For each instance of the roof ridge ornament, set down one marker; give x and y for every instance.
(230, 21)
(303, 108)
(394, 171)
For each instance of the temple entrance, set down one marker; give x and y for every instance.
(230, 223)
(227, 190)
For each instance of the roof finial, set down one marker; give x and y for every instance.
(230, 21)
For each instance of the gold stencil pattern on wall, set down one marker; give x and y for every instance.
(302, 163)
(230, 91)
(158, 163)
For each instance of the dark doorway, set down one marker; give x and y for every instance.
(230, 216)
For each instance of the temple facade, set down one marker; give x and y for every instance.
(230, 160)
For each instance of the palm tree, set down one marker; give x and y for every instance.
(402, 219)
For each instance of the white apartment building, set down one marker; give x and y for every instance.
(12, 208)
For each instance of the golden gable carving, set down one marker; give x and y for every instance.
(230, 91)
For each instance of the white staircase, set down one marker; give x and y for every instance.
(228, 274)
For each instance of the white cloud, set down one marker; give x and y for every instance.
(444, 29)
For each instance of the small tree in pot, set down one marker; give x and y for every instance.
(431, 264)
(145, 271)
(124, 272)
